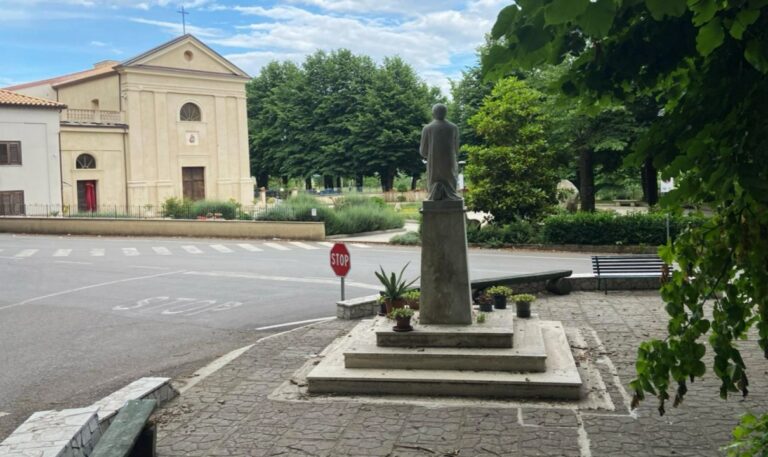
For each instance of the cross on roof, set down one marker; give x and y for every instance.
(183, 13)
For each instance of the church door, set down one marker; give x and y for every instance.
(86, 196)
(193, 180)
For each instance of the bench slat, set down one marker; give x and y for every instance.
(122, 434)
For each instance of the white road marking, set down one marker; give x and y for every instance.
(92, 286)
(2, 413)
(159, 250)
(97, 252)
(279, 247)
(148, 267)
(130, 252)
(249, 247)
(301, 245)
(358, 245)
(334, 282)
(27, 253)
(325, 243)
(221, 248)
(72, 262)
(289, 324)
(192, 249)
(62, 252)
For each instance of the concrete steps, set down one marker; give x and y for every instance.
(495, 333)
(560, 380)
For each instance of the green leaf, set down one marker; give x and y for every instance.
(703, 11)
(597, 20)
(756, 55)
(710, 37)
(661, 8)
(562, 11)
(504, 21)
(744, 19)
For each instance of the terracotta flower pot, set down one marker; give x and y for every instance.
(394, 304)
(403, 324)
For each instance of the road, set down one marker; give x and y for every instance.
(82, 316)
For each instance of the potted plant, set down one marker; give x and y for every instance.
(480, 318)
(485, 303)
(499, 294)
(523, 304)
(403, 318)
(412, 298)
(394, 287)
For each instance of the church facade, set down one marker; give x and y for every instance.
(170, 122)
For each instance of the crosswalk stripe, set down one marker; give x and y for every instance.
(279, 247)
(358, 245)
(303, 245)
(130, 251)
(192, 249)
(221, 248)
(159, 250)
(62, 252)
(27, 253)
(325, 243)
(249, 247)
(97, 252)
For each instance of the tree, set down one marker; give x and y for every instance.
(706, 63)
(512, 173)
(467, 97)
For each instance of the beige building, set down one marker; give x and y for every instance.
(168, 123)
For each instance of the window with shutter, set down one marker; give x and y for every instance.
(12, 203)
(10, 153)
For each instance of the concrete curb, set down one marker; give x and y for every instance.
(361, 234)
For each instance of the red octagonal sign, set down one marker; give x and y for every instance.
(340, 260)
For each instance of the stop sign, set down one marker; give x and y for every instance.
(340, 260)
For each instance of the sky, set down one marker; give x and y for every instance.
(44, 38)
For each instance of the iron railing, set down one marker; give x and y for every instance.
(186, 211)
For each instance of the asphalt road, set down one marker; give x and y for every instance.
(82, 316)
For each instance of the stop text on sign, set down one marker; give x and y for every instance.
(340, 259)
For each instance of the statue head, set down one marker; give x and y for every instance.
(439, 111)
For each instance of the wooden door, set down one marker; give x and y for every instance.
(193, 180)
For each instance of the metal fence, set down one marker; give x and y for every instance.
(192, 210)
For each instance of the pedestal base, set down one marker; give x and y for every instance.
(446, 296)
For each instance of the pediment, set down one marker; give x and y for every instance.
(186, 53)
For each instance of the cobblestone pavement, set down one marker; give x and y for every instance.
(232, 413)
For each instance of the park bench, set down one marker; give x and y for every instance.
(129, 435)
(555, 279)
(607, 267)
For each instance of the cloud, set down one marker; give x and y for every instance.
(99, 44)
(176, 28)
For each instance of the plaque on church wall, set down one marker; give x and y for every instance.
(193, 138)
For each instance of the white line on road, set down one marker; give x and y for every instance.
(27, 253)
(221, 248)
(290, 324)
(72, 262)
(325, 243)
(97, 252)
(4, 414)
(148, 267)
(249, 247)
(301, 245)
(334, 282)
(279, 247)
(358, 245)
(192, 249)
(130, 252)
(159, 250)
(62, 252)
(92, 286)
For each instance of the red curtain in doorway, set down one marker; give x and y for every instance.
(90, 197)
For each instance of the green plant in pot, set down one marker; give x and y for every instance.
(485, 303)
(523, 304)
(395, 287)
(403, 318)
(412, 298)
(499, 295)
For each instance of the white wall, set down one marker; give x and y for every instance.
(39, 175)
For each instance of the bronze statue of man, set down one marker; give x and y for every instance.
(440, 148)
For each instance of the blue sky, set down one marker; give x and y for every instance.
(45, 38)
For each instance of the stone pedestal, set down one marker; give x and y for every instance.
(446, 295)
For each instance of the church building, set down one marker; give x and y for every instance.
(170, 122)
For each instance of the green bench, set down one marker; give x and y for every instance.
(555, 279)
(129, 435)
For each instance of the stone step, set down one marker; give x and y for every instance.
(560, 381)
(527, 355)
(159, 389)
(70, 432)
(496, 332)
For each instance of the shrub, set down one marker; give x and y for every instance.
(406, 239)
(356, 219)
(359, 200)
(609, 228)
(177, 208)
(228, 210)
(498, 235)
(402, 188)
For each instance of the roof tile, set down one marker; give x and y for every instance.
(9, 98)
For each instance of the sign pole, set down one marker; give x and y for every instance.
(342, 288)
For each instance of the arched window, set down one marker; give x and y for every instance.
(85, 161)
(190, 113)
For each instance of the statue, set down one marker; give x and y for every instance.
(440, 148)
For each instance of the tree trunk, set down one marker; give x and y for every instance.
(262, 180)
(338, 182)
(387, 178)
(650, 183)
(308, 183)
(414, 181)
(586, 181)
(285, 181)
(327, 182)
(359, 182)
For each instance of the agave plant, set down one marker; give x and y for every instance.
(394, 285)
